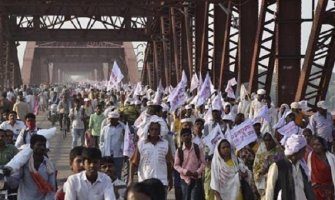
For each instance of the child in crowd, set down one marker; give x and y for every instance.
(75, 165)
(107, 166)
(90, 184)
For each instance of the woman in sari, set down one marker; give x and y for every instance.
(269, 151)
(226, 170)
(284, 108)
(321, 164)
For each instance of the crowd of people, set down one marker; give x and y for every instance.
(134, 144)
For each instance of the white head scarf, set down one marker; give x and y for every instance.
(294, 143)
(225, 178)
(155, 119)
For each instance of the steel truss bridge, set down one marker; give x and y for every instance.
(254, 41)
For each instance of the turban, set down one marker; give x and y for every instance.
(294, 143)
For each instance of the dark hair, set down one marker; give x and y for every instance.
(291, 115)
(157, 189)
(222, 141)
(37, 138)
(91, 154)
(9, 131)
(307, 130)
(322, 141)
(200, 120)
(75, 151)
(30, 115)
(153, 188)
(12, 112)
(107, 159)
(185, 130)
(139, 188)
(267, 133)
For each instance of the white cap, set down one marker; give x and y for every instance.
(113, 114)
(261, 91)
(228, 117)
(165, 108)
(322, 104)
(186, 120)
(188, 107)
(137, 102)
(226, 104)
(150, 91)
(294, 105)
(86, 99)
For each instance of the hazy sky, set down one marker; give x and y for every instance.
(306, 13)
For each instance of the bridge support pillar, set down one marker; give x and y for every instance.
(105, 71)
(58, 75)
(95, 73)
(51, 69)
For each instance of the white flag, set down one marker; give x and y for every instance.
(194, 82)
(116, 74)
(304, 105)
(158, 97)
(205, 91)
(229, 88)
(200, 82)
(243, 92)
(160, 87)
(178, 97)
(128, 142)
(264, 114)
(213, 137)
(138, 89)
(217, 103)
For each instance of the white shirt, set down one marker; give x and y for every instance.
(255, 107)
(322, 126)
(18, 126)
(111, 140)
(77, 122)
(79, 187)
(153, 160)
(199, 141)
(297, 178)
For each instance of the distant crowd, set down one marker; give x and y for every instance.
(134, 142)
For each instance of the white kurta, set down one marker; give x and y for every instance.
(153, 160)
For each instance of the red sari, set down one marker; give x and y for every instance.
(323, 187)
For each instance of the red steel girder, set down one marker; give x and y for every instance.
(160, 73)
(229, 59)
(219, 17)
(319, 58)
(263, 58)
(3, 49)
(148, 65)
(201, 34)
(176, 29)
(187, 63)
(166, 47)
(248, 18)
(85, 8)
(288, 36)
(10, 75)
(78, 35)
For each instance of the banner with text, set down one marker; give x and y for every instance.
(243, 134)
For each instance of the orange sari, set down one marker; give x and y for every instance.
(323, 187)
